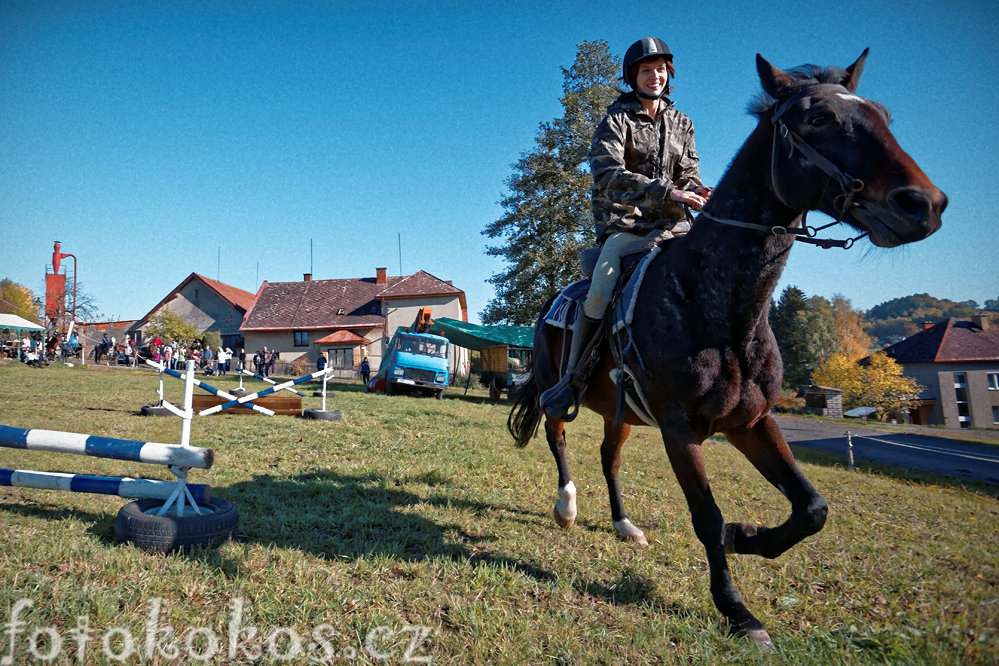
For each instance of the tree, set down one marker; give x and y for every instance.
(854, 343)
(879, 384)
(19, 300)
(839, 371)
(170, 326)
(805, 329)
(211, 339)
(547, 219)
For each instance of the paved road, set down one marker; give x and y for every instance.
(940, 455)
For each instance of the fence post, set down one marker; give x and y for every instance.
(849, 450)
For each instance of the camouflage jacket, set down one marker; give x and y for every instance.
(635, 161)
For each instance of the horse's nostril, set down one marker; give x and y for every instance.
(910, 202)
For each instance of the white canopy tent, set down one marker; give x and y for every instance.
(12, 321)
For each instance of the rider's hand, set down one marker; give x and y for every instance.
(692, 199)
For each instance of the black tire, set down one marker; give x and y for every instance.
(389, 388)
(323, 415)
(439, 394)
(155, 410)
(329, 394)
(137, 523)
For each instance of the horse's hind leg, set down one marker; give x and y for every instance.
(610, 456)
(764, 445)
(565, 505)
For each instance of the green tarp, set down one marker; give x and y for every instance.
(477, 336)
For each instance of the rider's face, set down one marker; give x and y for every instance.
(652, 77)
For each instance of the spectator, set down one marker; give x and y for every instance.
(272, 362)
(242, 359)
(321, 363)
(365, 371)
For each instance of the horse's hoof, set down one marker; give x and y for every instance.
(564, 523)
(637, 539)
(627, 531)
(761, 638)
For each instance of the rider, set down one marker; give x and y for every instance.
(644, 165)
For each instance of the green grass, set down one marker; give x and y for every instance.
(413, 512)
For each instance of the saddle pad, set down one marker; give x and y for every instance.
(561, 313)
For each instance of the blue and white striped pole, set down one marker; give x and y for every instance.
(244, 371)
(260, 394)
(36, 439)
(104, 485)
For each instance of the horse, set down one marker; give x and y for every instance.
(700, 348)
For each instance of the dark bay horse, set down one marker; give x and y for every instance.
(701, 347)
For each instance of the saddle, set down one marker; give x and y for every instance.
(567, 307)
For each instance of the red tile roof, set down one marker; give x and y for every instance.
(949, 341)
(351, 303)
(235, 295)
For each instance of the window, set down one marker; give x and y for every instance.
(301, 338)
(961, 395)
(341, 358)
(994, 381)
(995, 415)
(340, 311)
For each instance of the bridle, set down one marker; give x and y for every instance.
(842, 203)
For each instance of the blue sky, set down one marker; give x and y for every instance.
(154, 139)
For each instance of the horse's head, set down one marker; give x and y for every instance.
(833, 152)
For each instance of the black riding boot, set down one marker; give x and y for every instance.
(562, 400)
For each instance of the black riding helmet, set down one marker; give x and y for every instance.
(643, 49)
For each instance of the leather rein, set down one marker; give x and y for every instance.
(842, 203)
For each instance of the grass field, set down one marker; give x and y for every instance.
(413, 530)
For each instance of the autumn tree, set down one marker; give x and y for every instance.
(854, 343)
(19, 300)
(839, 371)
(547, 218)
(878, 383)
(168, 325)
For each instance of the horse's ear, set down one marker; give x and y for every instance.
(854, 71)
(775, 82)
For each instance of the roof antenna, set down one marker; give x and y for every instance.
(400, 253)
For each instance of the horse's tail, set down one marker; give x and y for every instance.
(525, 415)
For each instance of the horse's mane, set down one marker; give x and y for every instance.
(803, 75)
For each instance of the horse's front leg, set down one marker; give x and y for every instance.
(610, 457)
(764, 445)
(565, 505)
(688, 465)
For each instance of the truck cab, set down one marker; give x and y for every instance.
(418, 361)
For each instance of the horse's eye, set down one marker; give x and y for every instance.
(819, 119)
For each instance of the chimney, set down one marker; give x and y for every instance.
(380, 276)
(307, 277)
(981, 321)
(927, 325)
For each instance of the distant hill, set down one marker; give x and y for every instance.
(899, 318)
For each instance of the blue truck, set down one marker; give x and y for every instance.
(416, 362)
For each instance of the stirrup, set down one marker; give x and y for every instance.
(561, 401)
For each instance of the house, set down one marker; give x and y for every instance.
(347, 318)
(209, 305)
(957, 361)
